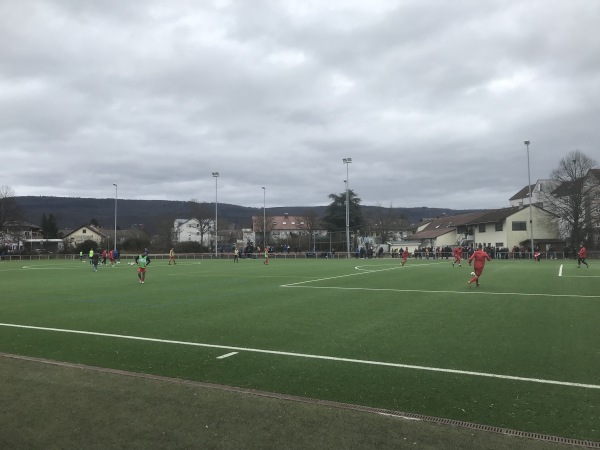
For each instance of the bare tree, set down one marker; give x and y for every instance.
(384, 222)
(309, 222)
(9, 210)
(205, 214)
(569, 196)
(263, 227)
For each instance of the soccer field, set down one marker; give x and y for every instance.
(522, 351)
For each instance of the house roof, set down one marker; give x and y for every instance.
(495, 215)
(280, 223)
(431, 234)
(595, 172)
(567, 188)
(443, 225)
(180, 222)
(523, 193)
(21, 224)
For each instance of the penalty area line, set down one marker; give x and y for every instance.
(422, 291)
(309, 356)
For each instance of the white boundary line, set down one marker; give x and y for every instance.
(309, 356)
(477, 292)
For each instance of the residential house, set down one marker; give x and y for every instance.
(86, 233)
(283, 230)
(499, 228)
(18, 232)
(445, 231)
(592, 207)
(509, 227)
(189, 230)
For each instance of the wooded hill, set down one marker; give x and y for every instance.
(71, 212)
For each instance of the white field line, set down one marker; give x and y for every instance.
(364, 272)
(423, 291)
(575, 276)
(227, 355)
(309, 356)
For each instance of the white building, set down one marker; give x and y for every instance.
(189, 230)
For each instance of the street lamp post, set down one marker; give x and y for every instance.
(347, 161)
(264, 217)
(530, 209)
(116, 191)
(216, 176)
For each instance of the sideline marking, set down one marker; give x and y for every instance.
(227, 355)
(309, 356)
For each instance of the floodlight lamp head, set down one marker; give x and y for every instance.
(526, 142)
(347, 160)
(215, 174)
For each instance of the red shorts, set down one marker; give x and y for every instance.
(141, 270)
(478, 270)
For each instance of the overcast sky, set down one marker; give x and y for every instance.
(431, 99)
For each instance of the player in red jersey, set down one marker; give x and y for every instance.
(581, 257)
(404, 256)
(457, 251)
(479, 256)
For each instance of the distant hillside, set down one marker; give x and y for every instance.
(72, 212)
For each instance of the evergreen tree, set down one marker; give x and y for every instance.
(335, 215)
(49, 226)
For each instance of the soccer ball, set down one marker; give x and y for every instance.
(472, 274)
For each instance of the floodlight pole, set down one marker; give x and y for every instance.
(530, 209)
(116, 191)
(216, 176)
(347, 161)
(264, 217)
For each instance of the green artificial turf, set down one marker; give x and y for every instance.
(337, 330)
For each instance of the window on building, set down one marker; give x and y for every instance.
(499, 226)
(482, 227)
(499, 244)
(83, 231)
(519, 226)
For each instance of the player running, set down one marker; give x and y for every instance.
(581, 257)
(479, 256)
(457, 252)
(404, 256)
(172, 257)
